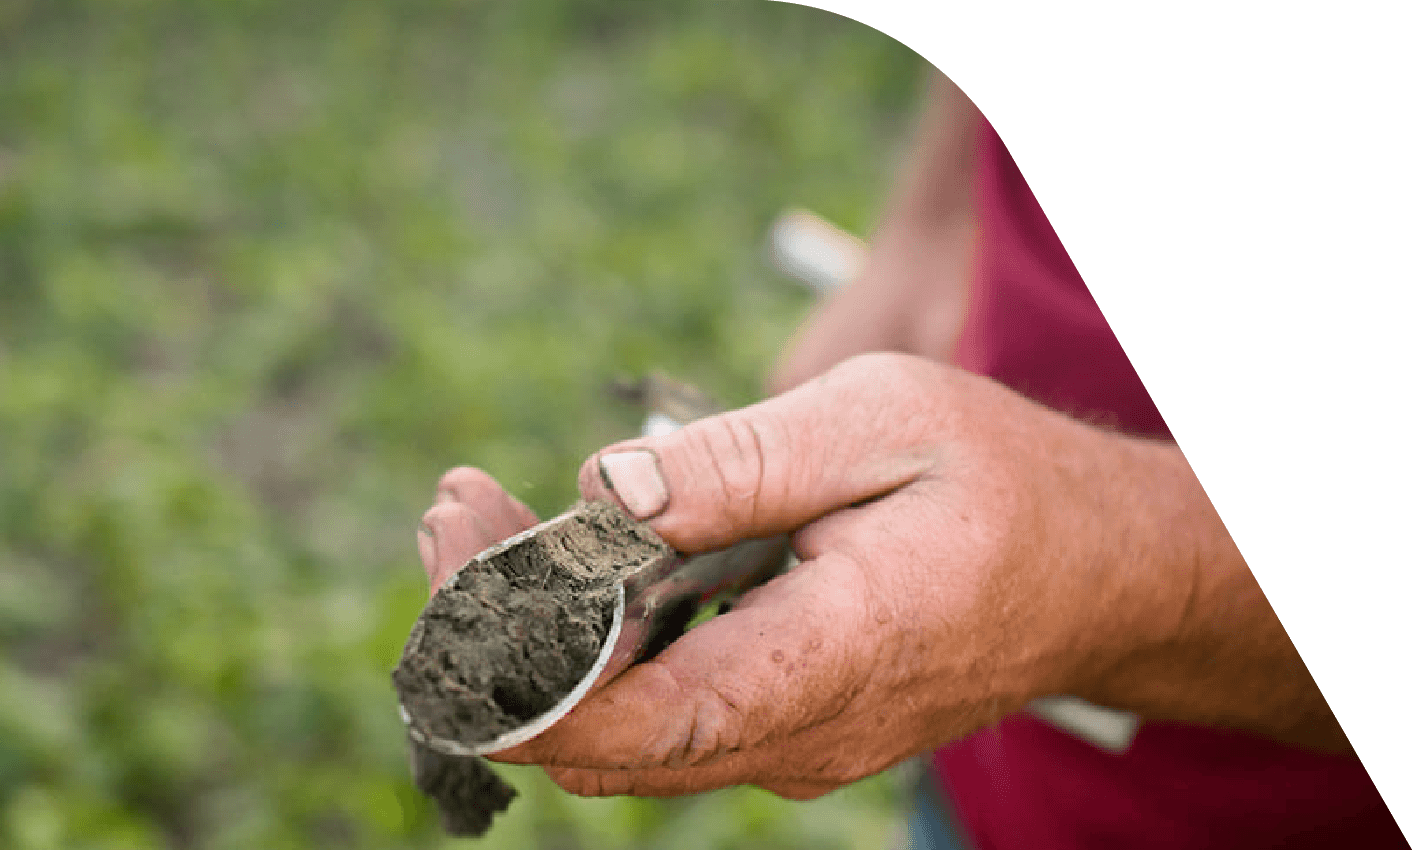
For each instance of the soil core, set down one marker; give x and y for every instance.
(506, 638)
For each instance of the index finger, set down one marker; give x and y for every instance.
(472, 512)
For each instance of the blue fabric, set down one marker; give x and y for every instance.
(932, 823)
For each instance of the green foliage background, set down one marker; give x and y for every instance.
(268, 268)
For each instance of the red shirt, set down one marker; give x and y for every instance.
(1025, 784)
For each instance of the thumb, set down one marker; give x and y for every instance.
(859, 431)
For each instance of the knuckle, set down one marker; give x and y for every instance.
(710, 726)
(732, 452)
(889, 375)
(458, 525)
(571, 780)
(587, 782)
(714, 731)
(468, 484)
(437, 516)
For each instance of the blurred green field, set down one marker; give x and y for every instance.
(268, 268)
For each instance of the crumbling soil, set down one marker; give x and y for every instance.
(467, 792)
(507, 638)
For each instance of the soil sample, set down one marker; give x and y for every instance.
(505, 639)
(467, 792)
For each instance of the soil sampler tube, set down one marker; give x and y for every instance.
(590, 561)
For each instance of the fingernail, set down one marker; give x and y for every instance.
(426, 545)
(637, 480)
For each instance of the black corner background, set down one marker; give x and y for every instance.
(1185, 175)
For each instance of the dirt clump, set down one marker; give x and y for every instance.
(508, 637)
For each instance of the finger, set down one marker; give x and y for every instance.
(501, 512)
(669, 782)
(857, 432)
(426, 550)
(450, 535)
(788, 659)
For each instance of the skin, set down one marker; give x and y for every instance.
(964, 550)
(911, 293)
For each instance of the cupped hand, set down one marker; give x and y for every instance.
(938, 588)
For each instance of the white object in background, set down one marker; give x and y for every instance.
(1106, 728)
(815, 252)
(659, 424)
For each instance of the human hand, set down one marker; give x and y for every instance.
(472, 512)
(939, 587)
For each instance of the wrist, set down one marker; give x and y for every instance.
(1117, 563)
(1146, 557)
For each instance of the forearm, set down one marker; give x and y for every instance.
(1186, 633)
(928, 229)
(935, 184)
(912, 290)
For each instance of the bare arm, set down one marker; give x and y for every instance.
(1201, 643)
(911, 293)
(934, 185)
